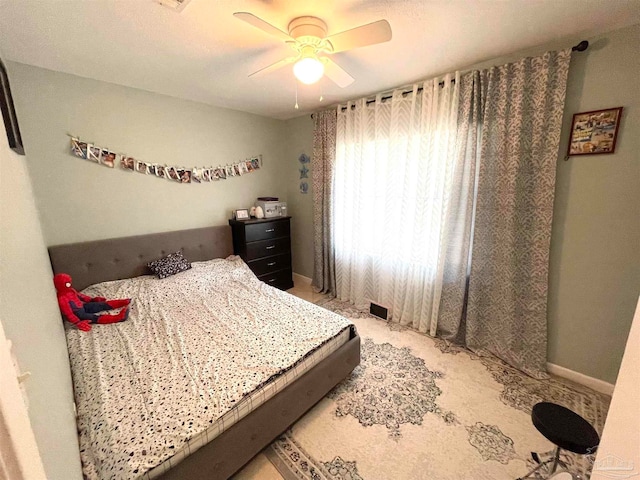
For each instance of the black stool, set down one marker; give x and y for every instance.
(566, 430)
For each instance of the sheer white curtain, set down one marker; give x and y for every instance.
(393, 186)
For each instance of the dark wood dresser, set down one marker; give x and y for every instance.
(265, 245)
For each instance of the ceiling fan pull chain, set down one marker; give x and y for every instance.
(296, 106)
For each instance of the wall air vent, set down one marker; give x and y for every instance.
(176, 5)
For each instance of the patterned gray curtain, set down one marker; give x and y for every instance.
(522, 117)
(322, 168)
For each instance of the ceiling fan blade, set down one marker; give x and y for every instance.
(266, 27)
(370, 34)
(336, 73)
(273, 67)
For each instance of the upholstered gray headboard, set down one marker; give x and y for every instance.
(126, 257)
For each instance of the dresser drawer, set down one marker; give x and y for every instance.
(281, 279)
(265, 230)
(268, 248)
(270, 264)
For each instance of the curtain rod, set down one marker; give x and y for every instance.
(580, 47)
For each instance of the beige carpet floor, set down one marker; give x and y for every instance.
(419, 408)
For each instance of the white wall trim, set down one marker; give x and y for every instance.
(593, 383)
(19, 455)
(300, 280)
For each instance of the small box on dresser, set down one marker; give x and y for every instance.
(265, 245)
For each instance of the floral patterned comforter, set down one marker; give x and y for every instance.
(194, 345)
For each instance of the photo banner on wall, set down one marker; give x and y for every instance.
(108, 158)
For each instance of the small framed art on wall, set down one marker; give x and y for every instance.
(9, 113)
(594, 132)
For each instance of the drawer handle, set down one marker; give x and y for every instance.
(271, 264)
(269, 247)
(270, 230)
(272, 280)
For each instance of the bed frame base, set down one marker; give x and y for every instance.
(229, 452)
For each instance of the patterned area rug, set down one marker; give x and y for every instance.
(420, 408)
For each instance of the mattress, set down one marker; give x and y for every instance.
(200, 350)
(251, 402)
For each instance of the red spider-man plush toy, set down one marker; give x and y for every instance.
(82, 310)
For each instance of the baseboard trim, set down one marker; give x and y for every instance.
(300, 280)
(593, 383)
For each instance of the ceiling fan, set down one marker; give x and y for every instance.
(308, 38)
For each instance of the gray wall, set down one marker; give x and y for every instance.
(595, 260)
(299, 139)
(595, 249)
(80, 200)
(31, 320)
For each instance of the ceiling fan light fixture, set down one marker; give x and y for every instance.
(307, 36)
(308, 70)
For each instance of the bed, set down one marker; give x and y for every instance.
(268, 395)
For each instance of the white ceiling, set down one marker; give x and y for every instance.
(205, 54)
